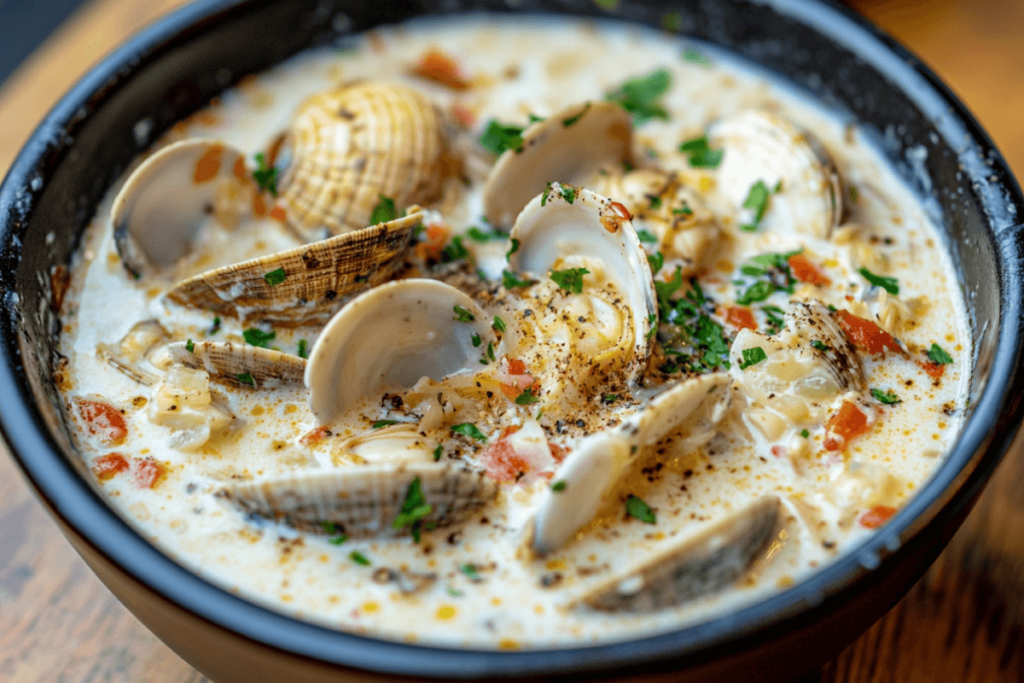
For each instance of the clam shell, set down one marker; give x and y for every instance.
(156, 213)
(761, 145)
(392, 336)
(592, 470)
(351, 145)
(318, 276)
(362, 501)
(134, 354)
(693, 566)
(226, 361)
(566, 147)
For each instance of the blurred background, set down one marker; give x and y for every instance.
(963, 622)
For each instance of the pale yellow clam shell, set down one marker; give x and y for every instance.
(352, 145)
(227, 361)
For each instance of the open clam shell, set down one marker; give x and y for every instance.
(240, 364)
(161, 205)
(353, 144)
(589, 474)
(692, 567)
(392, 336)
(566, 147)
(763, 146)
(304, 284)
(566, 222)
(362, 501)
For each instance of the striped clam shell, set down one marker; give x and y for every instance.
(237, 364)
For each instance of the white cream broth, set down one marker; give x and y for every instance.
(512, 599)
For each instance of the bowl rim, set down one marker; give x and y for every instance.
(986, 435)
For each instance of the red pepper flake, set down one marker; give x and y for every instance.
(208, 165)
(741, 318)
(849, 423)
(315, 437)
(805, 271)
(148, 472)
(102, 420)
(866, 335)
(876, 516)
(107, 466)
(436, 66)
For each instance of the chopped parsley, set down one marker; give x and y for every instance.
(471, 572)
(384, 423)
(454, 251)
(511, 281)
(646, 236)
(887, 397)
(359, 558)
(477, 341)
(462, 315)
(275, 277)
(246, 378)
(526, 398)
(657, 260)
(513, 248)
(700, 154)
(695, 341)
(570, 279)
(498, 325)
(889, 284)
(265, 175)
(759, 291)
(804, 433)
(558, 486)
(414, 509)
(776, 276)
(684, 211)
(635, 507)
(384, 211)
(469, 429)
(303, 350)
(337, 540)
(190, 346)
(609, 398)
(489, 354)
(753, 357)
(438, 450)
(938, 355)
(478, 235)
(497, 138)
(454, 592)
(641, 96)
(655, 203)
(568, 193)
(215, 328)
(573, 119)
(695, 57)
(757, 200)
(259, 338)
(775, 319)
(820, 345)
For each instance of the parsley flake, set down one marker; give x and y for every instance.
(246, 378)
(384, 423)
(695, 57)
(275, 277)
(646, 236)
(265, 175)
(887, 397)
(497, 138)
(759, 291)
(753, 357)
(258, 338)
(384, 212)
(414, 510)
(359, 558)
(454, 251)
(477, 235)
(437, 452)
(303, 350)
(477, 341)
(609, 398)
(498, 325)
(215, 328)
(570, 279)
(512, 249)
(757, 200)
(526, 398)
(558, 486)
(638, 509)
(889, 284)
(641, 96)
(938, 355)
(820, 345)
(338, 540)
(462, 315)
(700, 154)
(568, 193)
(657, 260)
(471, 572)
(804, 433)
(573, 119)
(190, 346)
(511, 281)
(469, 429)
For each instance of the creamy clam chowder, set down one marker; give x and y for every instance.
(511, 335)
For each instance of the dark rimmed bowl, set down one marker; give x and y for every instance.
(173, 68)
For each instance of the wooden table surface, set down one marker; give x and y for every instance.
(964, 621)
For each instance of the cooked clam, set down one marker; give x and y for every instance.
(589, 474)
(567, 147)
(304, 284)
(693, 566)
(391, 337)
(350, 146)
(240, 364)
(136, 354)
(764, 147)
(362, 500)
(156, 214)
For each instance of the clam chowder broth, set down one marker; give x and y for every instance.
(634, 337)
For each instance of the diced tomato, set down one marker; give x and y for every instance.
(779, 451)
(558, 452)
(934, 370)
(463, 115)
(148, 472)
(741, 318)
(107, 466)
(438, 67)
(278, 214)
(866, 335)
(805, 271)
(437, 236)
(515, 378)
(516, 367)
(876, 516)
(208, 165)
(849, 423)
(259, 207)
(103, 421)
(511, 391)
(315, 437)
(503, 463)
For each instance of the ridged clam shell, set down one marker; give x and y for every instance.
(350, 145)
(761, 145)
(692, 567)
(363, 500)
(226, 361)
(566, 147)
(318, 276)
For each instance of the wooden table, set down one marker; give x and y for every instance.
(964, 621)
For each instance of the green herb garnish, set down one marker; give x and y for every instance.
(889, 284)
(641, 96)
(498, 325)
(570, 279)
(469, 429)
(259, 338)
(804, 433)
(887, 397)
(759, 291)
(700, 154)
(275, 277)
(265, 175)
(359, 558)
(384, 423)
(568, 193)
(573, 119)
(246, 378)
(753, 357)
(511, 281)
(695, 57)
(215, 328)
(414, 510)
(454, 250)
(462, 315)
(477, 341)
(558, 486)
(512, 249)
(437, 452)
(384, 212)
(657, 260)
(609, 398)
(526, 398)
(497, 138)
(637, 508)
(190, 346)
(303, 350)
(646, 236)
(938, 355)
(820, 345)
(757, 200)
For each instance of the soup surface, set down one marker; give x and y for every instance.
(657, 360)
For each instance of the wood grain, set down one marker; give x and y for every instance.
(963, 622)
